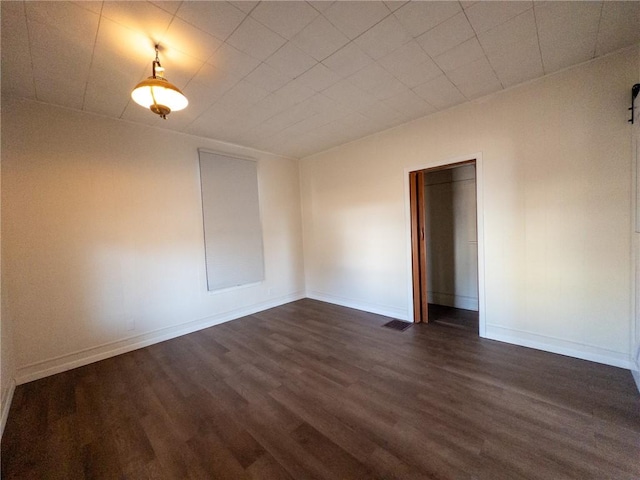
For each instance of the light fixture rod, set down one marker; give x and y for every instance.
(155, 63)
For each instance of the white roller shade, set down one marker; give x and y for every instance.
(231, 215)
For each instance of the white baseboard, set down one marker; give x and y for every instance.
(6, 405)
(562, 347)
(385, 310)
(456, 301)
(69, 361)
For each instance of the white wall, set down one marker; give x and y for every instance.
(452, 247)
(556, 157)
(635, 237)
(7, 361)
(103, 247)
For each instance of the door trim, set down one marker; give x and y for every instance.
(444, 163)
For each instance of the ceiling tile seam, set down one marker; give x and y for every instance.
(595, 47)
(33, 70)
(535, 18)
(482, 47)
(93, 53)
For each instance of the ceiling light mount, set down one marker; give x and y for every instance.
(158, 94)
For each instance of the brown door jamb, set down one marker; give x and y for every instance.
(418, 247)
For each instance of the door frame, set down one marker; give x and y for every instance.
(439, 164)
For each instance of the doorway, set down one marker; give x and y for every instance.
(445, 209)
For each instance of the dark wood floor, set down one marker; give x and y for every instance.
(312, 390)
(453, 317)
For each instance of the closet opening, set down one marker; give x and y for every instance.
(444, 245)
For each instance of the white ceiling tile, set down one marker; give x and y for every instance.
(265, 131)
(297, 130)
(58, 91)
(393, 5)
(418, 17)
(619, 26)
(285, 119)
(463, 54)
(96, 6)
(285, 18)
(242, 96)
(17, 74)
(325, 105)
(115, 69)
(14, 25)
(347, 94)
(410, 64)
(568, 33)
(354, 18)
(209, 84)
(475, 79)
(166, 5)
(519, 29)
(188, 39)
(119, 45)
(319, 77)
(142, 16)
(233, 60)
(244, 5)
(60, 63)
(518, 64)
(268, 107)
(180, 121)
(409, 103)
(440, 93)
(320, 5)
(447, 35)
(380, 111)
(219, 19)
(255, 40)
(291, 61)
(377, 81)
(486, 15)
(294, 92)
(347, 60)
(383, 38)
(275, 103)
(320, 38)
(267, 77)
(108, 95)
(47, 25)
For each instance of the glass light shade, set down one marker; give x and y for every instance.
(159, 95)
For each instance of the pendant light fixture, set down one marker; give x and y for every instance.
(158, 94)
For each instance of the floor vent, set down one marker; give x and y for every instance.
(397, 325)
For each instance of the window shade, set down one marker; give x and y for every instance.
(231, 216)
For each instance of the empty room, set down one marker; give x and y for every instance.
(320, 240)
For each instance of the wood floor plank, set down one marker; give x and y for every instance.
(310, 390)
